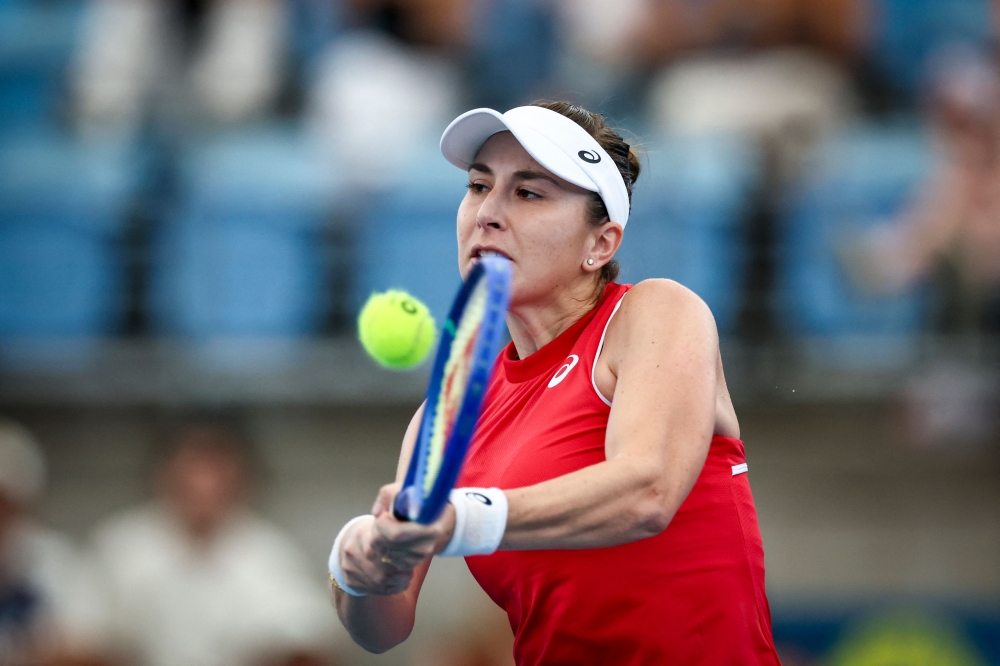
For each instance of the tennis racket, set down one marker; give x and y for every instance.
(470, 341)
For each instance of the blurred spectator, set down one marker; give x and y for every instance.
(608, 41)
(673, 27)
(774, 70)
(387, 89)
(951, 231)
(950, 236)
(222, 58)
(433, 24)
(197, 580)
(789, 97)
(48, 604)
(377, 101)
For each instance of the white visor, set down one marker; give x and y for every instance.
(555, 141)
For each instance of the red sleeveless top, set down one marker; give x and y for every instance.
(694, 594)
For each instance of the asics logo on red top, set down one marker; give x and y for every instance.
(564, 370)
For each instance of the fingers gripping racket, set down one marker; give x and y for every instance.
(470, 341)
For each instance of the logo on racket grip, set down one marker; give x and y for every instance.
(564, 370)
(479, 497)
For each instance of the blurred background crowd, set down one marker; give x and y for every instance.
(197, 195)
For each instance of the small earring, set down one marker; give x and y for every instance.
(590, 262)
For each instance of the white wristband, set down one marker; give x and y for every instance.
(335, 570)
(480, 521)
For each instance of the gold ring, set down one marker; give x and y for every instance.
(333, 581)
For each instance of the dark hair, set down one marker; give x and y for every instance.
(624, 156)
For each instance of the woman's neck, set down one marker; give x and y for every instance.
(534, 325)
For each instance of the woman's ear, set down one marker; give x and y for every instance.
(607, 240)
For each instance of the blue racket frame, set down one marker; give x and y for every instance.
(411, 503)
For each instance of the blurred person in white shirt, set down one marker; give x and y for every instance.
(196, 579)
(950, 232)
(49, 609)
(224, 59)
(948, 235)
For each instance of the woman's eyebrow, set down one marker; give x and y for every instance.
(479, 166)
(535, 175)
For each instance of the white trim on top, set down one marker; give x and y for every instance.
(739, 469)
(600, 346)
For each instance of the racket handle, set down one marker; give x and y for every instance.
(405, 504)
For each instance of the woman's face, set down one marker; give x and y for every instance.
(516, 207)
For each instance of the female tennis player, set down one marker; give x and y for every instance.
(604, 502)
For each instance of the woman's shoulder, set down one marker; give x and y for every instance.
(660, 323)
(664, 296)
(658, 308)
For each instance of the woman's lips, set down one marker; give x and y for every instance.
(489, 252)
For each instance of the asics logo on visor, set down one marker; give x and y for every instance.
(588, 156)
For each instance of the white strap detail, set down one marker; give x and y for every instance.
(334, 564)
(480, 521)
(739, 469)
(600, 346)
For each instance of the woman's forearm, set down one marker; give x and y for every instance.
(611, 503)
(378, 623)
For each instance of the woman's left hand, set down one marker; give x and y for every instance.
(404, 545)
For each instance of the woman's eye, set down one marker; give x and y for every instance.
(478, 188)
(528, 194)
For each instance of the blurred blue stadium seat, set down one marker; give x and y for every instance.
(314, 24)
(862, 178)
(908, 31)
(242, 260)
(36, 42)
(62, 212)
(513, 51)
(408, 239)
(686, 219)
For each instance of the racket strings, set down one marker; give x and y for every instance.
(456, 377)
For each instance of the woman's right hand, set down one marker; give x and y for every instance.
(379, 555)
(365, 569)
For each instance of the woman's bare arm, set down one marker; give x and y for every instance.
(385, 617)
(903, 252)
(663, 348)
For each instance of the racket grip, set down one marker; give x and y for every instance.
(405, 504)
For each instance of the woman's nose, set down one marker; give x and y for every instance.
(491, 213)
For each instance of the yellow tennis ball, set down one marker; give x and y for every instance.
(396, 329)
